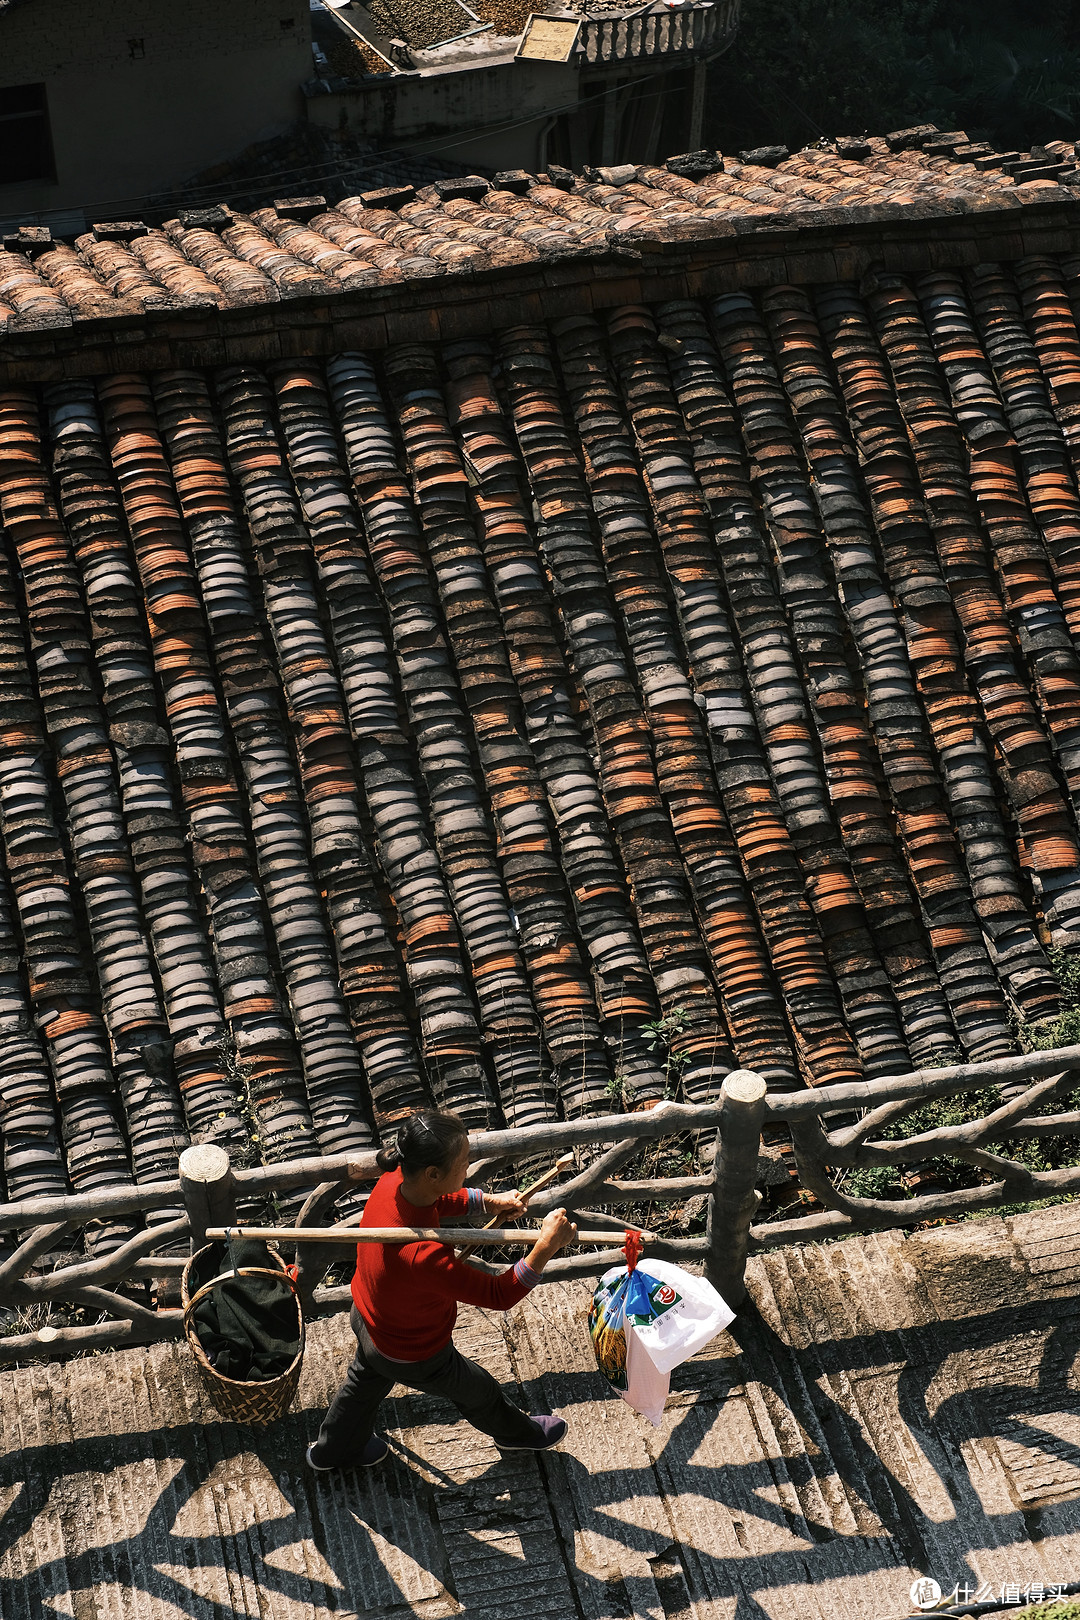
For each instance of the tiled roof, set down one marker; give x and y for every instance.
(436, 719)
(472, 226)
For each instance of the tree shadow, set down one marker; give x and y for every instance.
(171, 1548)
(813, 1384)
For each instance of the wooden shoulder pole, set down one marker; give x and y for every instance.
(206, 1181)
(734, 1200)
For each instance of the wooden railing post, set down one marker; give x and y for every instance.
(698, 77)
(206, 1181)
(734, 1200)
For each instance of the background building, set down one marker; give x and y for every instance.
(112, 110)
(103, 104)
(490, 86)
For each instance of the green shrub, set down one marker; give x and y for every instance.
(1047, 1153)
(1064, 1030)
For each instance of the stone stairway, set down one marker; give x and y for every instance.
(890, 1406)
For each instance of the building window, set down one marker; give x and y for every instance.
(25, 139)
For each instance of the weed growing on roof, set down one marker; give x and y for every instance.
(1064, 1030)
(250, 1147)
(1046, 1153)
(246, 1151)
(621, 1090)
(660, 1036)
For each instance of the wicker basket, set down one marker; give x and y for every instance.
(251, 1401)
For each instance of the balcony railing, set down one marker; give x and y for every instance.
(659, 31)
(833, 1128)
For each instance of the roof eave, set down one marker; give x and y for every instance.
(680, 257)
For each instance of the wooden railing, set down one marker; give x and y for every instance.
(208, 1190)
(659, 31)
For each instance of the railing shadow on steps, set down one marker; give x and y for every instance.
(207, 1190)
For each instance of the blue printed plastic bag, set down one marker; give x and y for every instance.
(643, 1323)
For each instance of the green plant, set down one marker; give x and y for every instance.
(1040, 1153)
(662, 1031)
(1016, 75)
(621, 1090)
(880, 1181)
(801, 69)
(660, 1036)
(246, 1152)
(1064, 1030)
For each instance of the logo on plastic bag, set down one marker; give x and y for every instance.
(646, 1298)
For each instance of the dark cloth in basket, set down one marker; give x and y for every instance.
(248, 1325)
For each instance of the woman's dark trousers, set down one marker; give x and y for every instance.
(348, 1424)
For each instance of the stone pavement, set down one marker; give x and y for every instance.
(891, 1405)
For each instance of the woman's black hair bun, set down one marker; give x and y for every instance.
(429, 1137)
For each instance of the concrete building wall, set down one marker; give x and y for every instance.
(464, 108)
(517, 114)
(143, 93)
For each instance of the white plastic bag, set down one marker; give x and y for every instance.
(646, 1387)
(645, 1322)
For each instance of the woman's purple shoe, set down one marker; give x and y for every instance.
(554, 1428)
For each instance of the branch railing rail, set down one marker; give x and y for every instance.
(208, 1189)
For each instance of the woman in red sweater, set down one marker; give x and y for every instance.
(405, 1298)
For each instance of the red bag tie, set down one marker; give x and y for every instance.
(632, 1249)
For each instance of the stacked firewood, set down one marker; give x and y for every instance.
(987, 846)
(519, 602)
(536, 722)
(428, 873)
(91, 1032)
(768, 752)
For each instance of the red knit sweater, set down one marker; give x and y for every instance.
(407, 1293)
